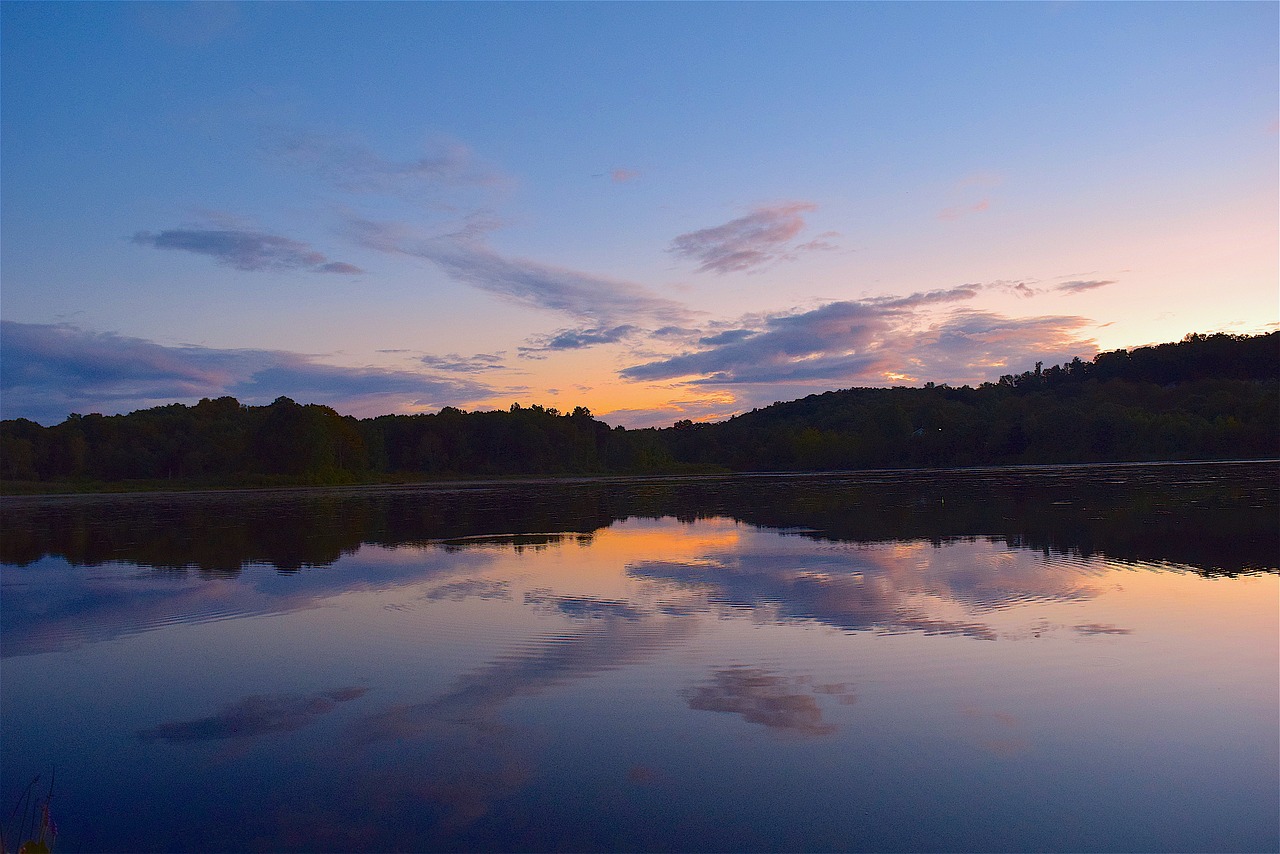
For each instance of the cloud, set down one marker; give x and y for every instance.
(339, 267)
(764, 698)
(51, 370)
(958, 211)
(1081, 285)
(578, 339)
(622, 176)
(253, 716)
(453, 363)
(349, 165)
(464, 257)
(246, 249)
(838, 341)
(748, 242)
(872, 341)
(713, 406)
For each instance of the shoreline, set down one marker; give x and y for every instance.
(543, 480)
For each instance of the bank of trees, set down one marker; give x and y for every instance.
(1206, 397)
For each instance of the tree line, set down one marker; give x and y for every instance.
(1205, 397)
(1216, 517)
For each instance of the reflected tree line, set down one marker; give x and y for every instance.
(1206, 397)
(1218, 518)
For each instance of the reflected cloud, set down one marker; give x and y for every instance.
(49, 608)
(999, 733)
(852, 595)
(1101, 629)
(253, 716)
(583, 607)
(549, 662)
(474, 759)
(470, 588)
(761, 697)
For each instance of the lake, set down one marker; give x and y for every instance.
(1063, 658)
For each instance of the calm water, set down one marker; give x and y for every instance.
(1064, 659)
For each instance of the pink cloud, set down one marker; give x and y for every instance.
(748, 242)
(954, 213)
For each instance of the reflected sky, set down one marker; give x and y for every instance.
(660, 683)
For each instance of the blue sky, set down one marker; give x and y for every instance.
(658, 211)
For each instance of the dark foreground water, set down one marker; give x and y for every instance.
(1037, 659)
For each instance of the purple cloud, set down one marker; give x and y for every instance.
(465, 258)
(244, 249)
(748, 242)
(453, 363)
(1081, 285)
(762, 697)
(870, 341)
(51, 370)
(578, 339)
(354, 168)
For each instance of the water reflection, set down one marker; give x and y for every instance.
(835, 663)
(191, 549)
(253, 716)
(773, 700)
(1214, 517)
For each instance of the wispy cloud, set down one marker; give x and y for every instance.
(455, 364)
(622, 176)
(253, 716)
(443, 165)
(51, 370)
(1081, 285)
(958, 211)
(578, 339)
(465, 257)
(870, 341)
(246, 249)
(749, 242)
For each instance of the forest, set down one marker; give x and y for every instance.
(1205, 397)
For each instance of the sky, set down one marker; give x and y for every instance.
(657, 211)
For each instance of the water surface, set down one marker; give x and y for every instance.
(1069, 658)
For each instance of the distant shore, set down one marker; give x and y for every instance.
(40, 490)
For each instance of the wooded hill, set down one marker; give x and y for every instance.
(1205, 397)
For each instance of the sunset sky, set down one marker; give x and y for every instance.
(658, 211)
